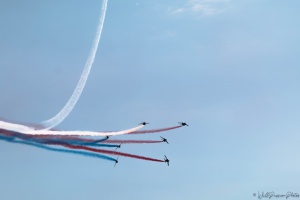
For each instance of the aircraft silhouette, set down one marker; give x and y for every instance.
(119, 146)
(116, 161)
(164, 140)
(183, 124)
(166, 160)
(144, 123)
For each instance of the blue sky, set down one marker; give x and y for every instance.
(229, 68)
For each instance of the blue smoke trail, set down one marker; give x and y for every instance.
(12, 140)
(49, 141)
(80, 141)
(66, 142)
(102, 145)
(96, 141)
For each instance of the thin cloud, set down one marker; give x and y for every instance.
(203, 7)
(179, 10)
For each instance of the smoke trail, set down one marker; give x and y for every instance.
(10, 135)
(155, 130)
(27, 130)
(101, 150)
(80, 133)
(113, 153)
(132, 141)
(57, 119)
(105, 151)
(11, 139)
(103, 145)
(14, 127)
(86, 141)
(96, 141)
(56, 141)
(70, 139)
(69, 142)
(65, 138)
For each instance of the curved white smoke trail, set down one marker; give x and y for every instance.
(72, 101)
(57, 119)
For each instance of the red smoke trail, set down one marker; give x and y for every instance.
(105, 151)
(70, 138)
(108, 141)
(111, 152)
(67, 137)
(11, 133)
(155, 130)
(131, 141)
(7, 132)
(61, 137)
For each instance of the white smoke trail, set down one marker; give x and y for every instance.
(15, 127)
(81, 133)
(30, 131)
(72, 101)
(57, 119)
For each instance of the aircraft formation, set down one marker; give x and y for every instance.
(76, 142)
(79, 144)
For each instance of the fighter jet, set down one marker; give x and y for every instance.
(183, 124)
(167, 160)
(116, 161)
(119, 146)
(164, 140)
(144, 123)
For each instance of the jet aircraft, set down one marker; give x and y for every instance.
(164, 140)
(167, 160)
(183, 124)
(116, 161)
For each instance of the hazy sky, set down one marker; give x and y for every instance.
(228, 68)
